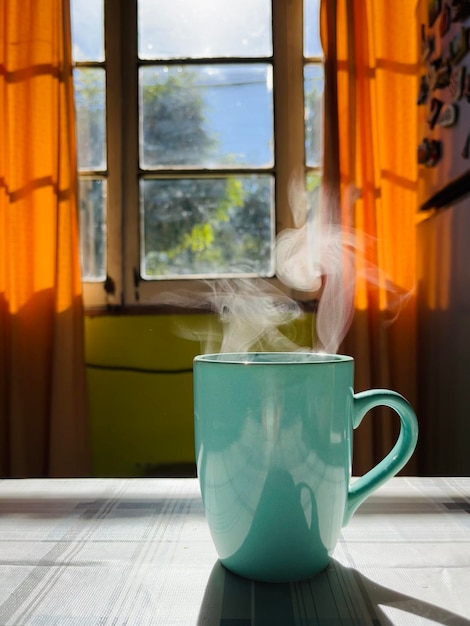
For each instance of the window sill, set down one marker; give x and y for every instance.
(307, 306)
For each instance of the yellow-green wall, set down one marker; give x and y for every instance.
(140, 389)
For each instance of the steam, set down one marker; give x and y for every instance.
(316, 258)
(252, 314)
(324, 257)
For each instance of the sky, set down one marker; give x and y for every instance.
(169, 27)
(238, 103)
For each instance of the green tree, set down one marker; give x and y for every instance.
(313, 125)
(173, 117)
(196, 225)
(90, 117)
(204, 225)
(90, 113)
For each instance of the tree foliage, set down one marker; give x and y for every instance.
(173, 117)
(190, 225)
(196, 225)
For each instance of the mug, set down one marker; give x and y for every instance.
(273, 442)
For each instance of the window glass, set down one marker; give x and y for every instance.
(206, 116)
(207, 226)
(313, 97)
(312, 44)
(87, 30)
(206, 28)
(92, 194)
(89, 85)
(90, 109)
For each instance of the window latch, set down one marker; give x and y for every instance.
(109, 286)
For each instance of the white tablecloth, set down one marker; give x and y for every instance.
(138, 551)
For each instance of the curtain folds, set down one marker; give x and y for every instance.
(44, 427)
(370, 146)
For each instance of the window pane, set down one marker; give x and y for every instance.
(206, 116)
(312, 44)
(313, 76)
(93, 229)
(89, 85)
(87, 30)
(207, 227)
(206, 28)
(313, 188)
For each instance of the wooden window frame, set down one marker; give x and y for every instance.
(123, 289)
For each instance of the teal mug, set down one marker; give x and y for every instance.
(273, 438)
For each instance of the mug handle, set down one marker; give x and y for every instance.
(398, 456)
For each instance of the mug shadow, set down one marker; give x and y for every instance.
(338, 595)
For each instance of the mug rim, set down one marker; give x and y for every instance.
(272, 358)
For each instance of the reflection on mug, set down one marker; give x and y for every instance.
(268, 544)
(273, 442)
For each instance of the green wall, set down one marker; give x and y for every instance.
(140, 389)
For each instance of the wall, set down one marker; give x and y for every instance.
(140, 390)
(444, 341)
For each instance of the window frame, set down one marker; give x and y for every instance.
(123, 288)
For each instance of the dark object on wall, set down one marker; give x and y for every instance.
(451, 193)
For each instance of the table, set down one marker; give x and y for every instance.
(138, 551)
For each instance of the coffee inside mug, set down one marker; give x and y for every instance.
(274, 357)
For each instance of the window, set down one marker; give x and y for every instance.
(193, 120)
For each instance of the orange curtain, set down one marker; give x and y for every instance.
(370, 157)
(43, 408)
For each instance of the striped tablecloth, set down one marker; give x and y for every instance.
(138, 551)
